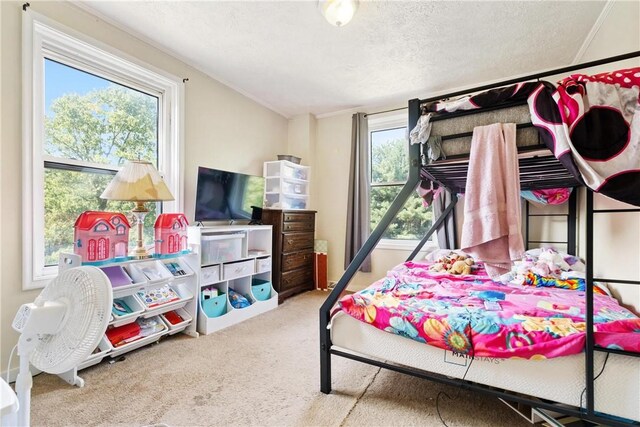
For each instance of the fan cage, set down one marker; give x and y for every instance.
(88, 295)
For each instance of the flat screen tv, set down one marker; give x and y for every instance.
(223, 195)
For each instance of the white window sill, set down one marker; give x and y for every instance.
(405, 245)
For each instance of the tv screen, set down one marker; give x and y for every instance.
(222, 195)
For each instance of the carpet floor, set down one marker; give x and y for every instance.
(261, 372)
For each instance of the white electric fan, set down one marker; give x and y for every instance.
(61, 328)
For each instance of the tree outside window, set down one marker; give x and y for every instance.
(92, 127)
(389, 171)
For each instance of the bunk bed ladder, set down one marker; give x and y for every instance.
(591, 348)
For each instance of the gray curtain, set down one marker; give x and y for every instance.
(447, 231)
(358, 203)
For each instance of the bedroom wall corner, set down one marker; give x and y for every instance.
(301, 142)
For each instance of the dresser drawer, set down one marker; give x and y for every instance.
(298, 217)
(295, 278)
(296, 241)
(238, 269)
(298, 226)
(297, 259)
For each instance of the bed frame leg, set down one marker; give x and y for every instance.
(325, 369)
(325, 354)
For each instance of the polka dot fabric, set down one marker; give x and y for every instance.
(592, 125)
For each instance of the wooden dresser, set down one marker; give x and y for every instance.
(293, 234)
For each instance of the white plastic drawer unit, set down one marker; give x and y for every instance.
(238, 269)
(210, 275)
(221, 248)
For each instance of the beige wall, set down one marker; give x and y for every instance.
(223, 129)
(301, 142)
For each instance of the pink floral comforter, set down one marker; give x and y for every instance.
(476, 316)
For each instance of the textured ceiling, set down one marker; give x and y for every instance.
(286, 56)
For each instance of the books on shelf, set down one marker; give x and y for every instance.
(159, 296)
(117, 275)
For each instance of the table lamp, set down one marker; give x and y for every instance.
(138, 181)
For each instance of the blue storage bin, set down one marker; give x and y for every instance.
(261, 289)
(216, 306)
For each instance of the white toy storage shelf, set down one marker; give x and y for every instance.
(286, 185)
(238, 258)
(178, 274)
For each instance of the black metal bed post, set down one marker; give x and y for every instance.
(589, 311)
(526, 216)
(572, 222)
(369, 245)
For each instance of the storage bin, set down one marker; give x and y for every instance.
(162, 329)
(104, 347)
(153, 271)
(294, 187)
(132, 309)
(237, 269)
(261, 289)
(283, 201)
(263, 264)
(221, 248)
(216, 306)
(210, 275)
(177, 327)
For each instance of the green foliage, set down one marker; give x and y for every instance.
(390, 164)
(106, 126)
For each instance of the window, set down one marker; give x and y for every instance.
(87, 112)
(389, 171)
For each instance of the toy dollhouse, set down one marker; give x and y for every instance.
(171, 234)
(101, 236)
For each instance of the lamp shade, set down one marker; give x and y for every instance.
(338, 12)
(137, 181)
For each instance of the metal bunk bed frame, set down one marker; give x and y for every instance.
(418, 171)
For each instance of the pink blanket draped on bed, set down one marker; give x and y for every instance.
(476, 316)
(491, 229)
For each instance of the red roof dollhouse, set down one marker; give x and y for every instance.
(101, 236)
(171, 233)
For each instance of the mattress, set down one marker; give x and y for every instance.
(561, 379)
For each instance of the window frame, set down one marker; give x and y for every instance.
(44, 38)
(388, 122)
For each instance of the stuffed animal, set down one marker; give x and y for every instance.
(461, 266)
(453, 263)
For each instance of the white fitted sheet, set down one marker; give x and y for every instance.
(560, 379)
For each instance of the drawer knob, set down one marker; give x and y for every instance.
(290, 241)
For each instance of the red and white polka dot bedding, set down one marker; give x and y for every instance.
(592, 125)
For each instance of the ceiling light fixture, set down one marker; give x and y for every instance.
(338, 12)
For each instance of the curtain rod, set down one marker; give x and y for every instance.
(536, 76)
(385, 111)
